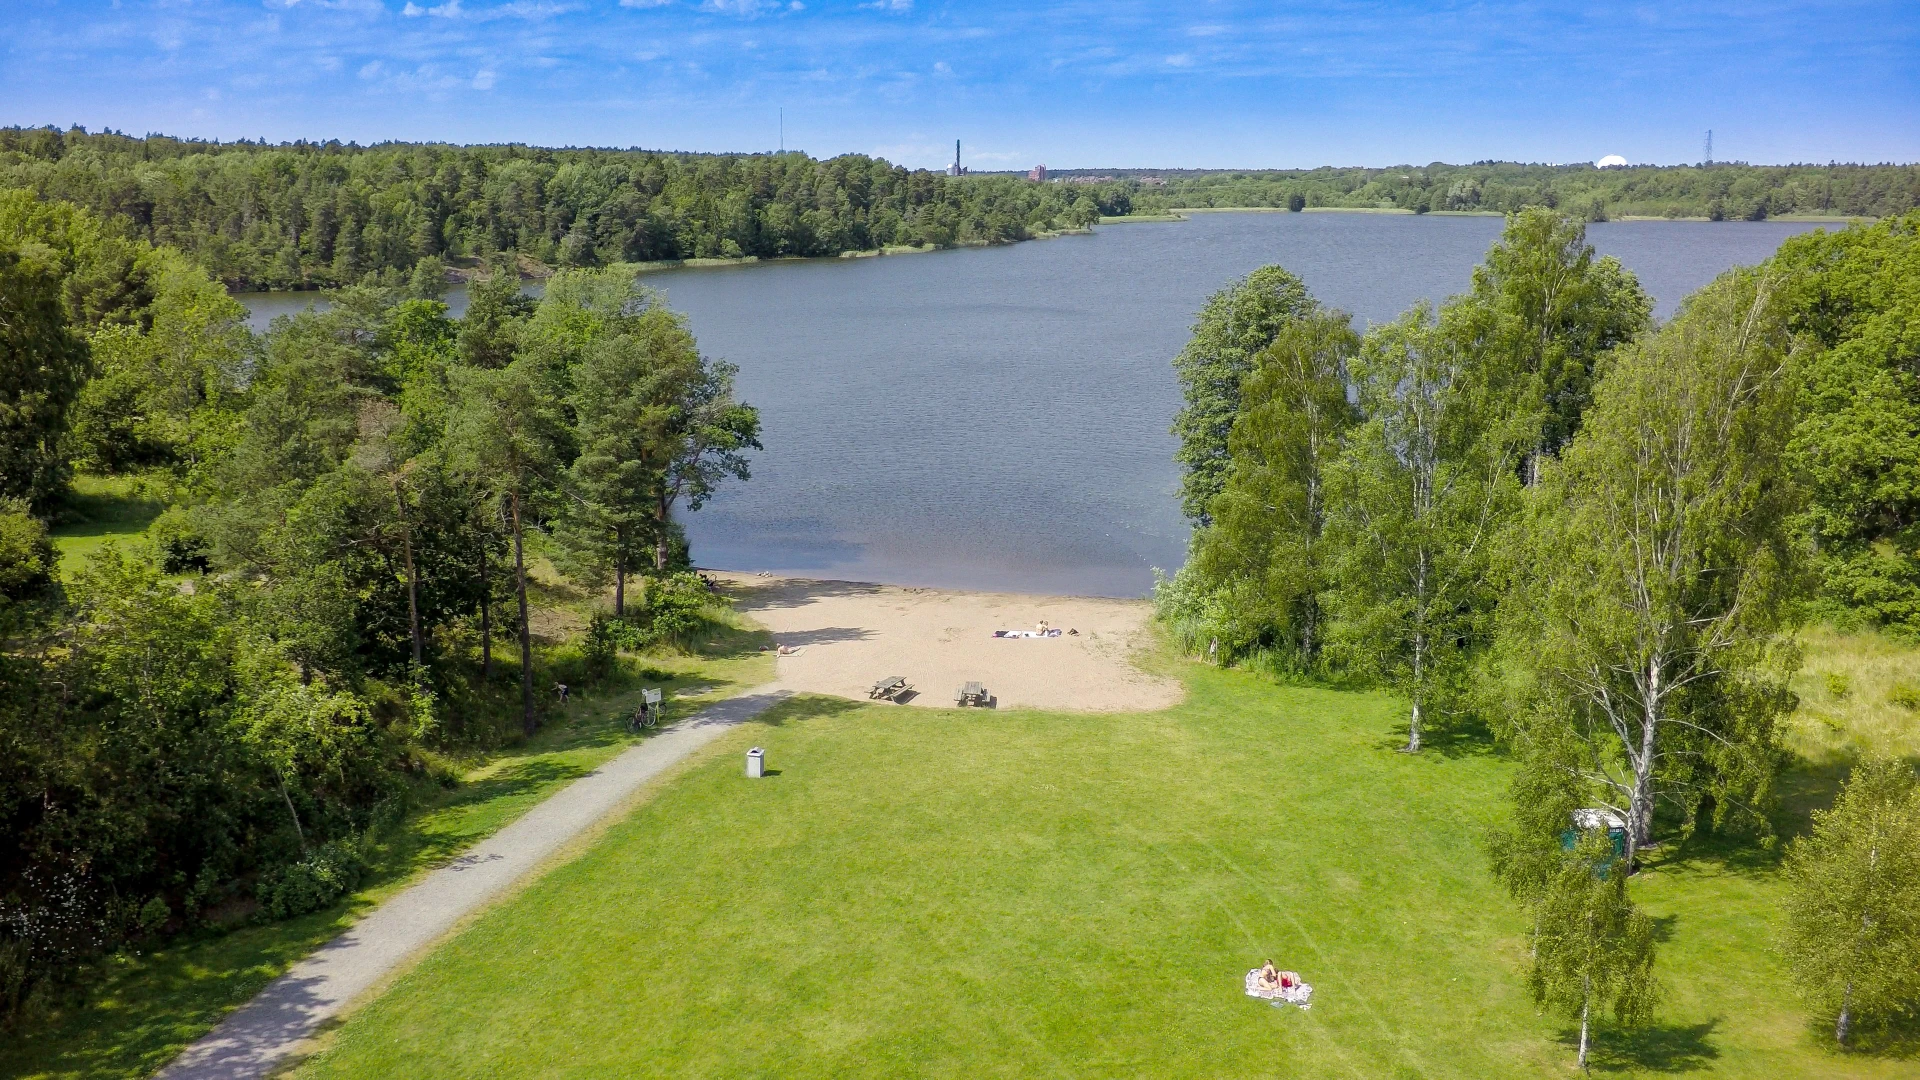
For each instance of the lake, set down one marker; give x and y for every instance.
(996, 418)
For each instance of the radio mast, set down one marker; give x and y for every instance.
(1709, 158)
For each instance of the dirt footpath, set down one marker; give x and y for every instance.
(848, 635)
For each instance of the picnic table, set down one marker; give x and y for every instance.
(972, 694)
(889, 689)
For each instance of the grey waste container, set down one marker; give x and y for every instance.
(756, 763)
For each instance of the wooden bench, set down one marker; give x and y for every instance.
(889, 689)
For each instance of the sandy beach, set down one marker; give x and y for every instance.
(848, 635)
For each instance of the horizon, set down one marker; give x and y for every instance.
(1221, 86)
(270, 144)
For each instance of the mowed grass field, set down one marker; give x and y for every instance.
(921, 893)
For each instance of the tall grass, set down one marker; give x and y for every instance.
(1859, 696)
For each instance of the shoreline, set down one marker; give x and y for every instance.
(530, 270)
(841, 637)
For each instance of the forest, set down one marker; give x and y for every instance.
(312, 215)
(221, 714)
(1718, 192)
(1549, 523)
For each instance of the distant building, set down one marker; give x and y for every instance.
(956, 169)
(1037, 174)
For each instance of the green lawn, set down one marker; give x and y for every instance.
(139, 1009)
(99, 510)
(933, 893)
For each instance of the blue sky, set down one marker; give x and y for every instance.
(1199, 84)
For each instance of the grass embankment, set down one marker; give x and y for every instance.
(139, 1008)
(960, 894)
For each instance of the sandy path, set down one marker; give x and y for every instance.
(851, 634)
(261, 1035)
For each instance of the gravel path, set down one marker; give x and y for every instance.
(260, 1035)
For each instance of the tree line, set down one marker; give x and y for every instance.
(306, 215)
(1533, 508)
(1718, 191)
(223, 713)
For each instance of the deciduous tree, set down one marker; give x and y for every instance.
(1234, 326)
(1853, 906)
(1654, 596)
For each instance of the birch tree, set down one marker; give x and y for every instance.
(1423, 486)
(1652, 601)
(1593, 949)
(1853, 909)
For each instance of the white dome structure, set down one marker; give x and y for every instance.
(1611, 161)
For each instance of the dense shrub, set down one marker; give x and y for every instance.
(325, 874)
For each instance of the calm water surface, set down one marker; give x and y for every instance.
(997, 418)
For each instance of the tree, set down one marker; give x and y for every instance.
(1853, 905)
(1234, 325)
(1593, 950)
(1660, 565)
(495, 310)
(1543, 311)
(1263, 560)
(1416, 500)
(626, 420)
(43, 365)
(28, 565)
(505, 434)
(708, 435)
(1855, 296)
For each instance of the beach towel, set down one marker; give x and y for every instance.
(1298, 994)
(1025, 633)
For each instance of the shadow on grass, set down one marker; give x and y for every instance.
(1464, 738)
(1665, 1048)
(1897, 1040)
(808, 707)
(110, 512)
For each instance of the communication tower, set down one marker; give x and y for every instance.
(1708, 160)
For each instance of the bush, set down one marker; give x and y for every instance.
(327, 873)
(178, 541)
(601, 643)
(676, 606)
(1905, 695)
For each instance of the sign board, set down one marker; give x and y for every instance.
(650, 697)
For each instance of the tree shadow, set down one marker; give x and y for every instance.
(1457, 739)
(808, 707)
(1898, 1040)
(514, 780)
(781, 591)
(1667, 1048)
(826, 635)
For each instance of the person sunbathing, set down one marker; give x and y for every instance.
(1269, 978)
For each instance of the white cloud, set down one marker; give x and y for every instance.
(746, 9)
(644, 3)
(1180, 60)
(889, 5)
(940, 68)
(371, 70)
(519, 9)
(483, 80)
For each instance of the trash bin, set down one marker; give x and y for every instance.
(756, 763)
